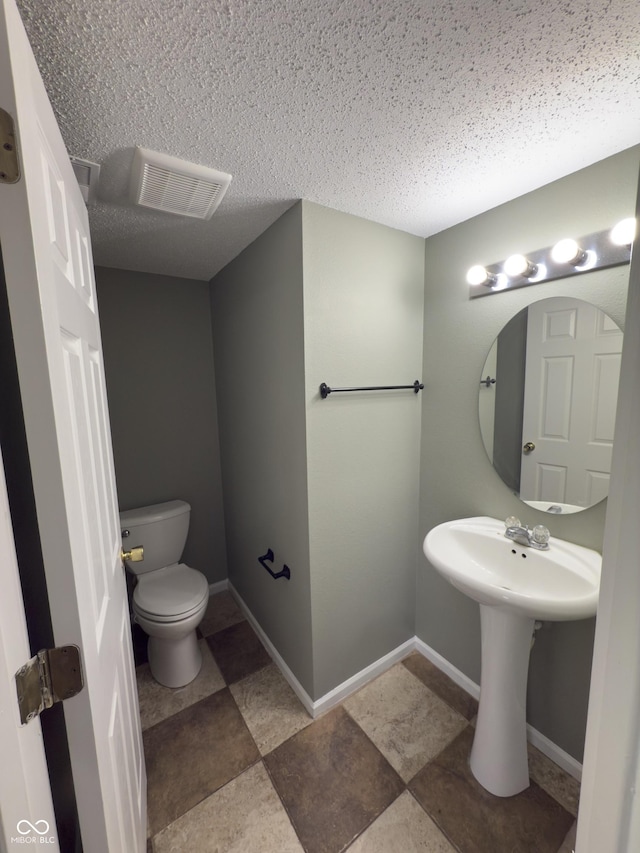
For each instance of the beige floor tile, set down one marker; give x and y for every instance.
(403, 828)
(246, 816)
(270, 708)
(407, 722)
(222, 611)
(553, 779)
(157, 702)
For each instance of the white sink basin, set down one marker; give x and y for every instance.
(515, 585)
(474, 555)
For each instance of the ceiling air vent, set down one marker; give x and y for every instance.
(175, 186)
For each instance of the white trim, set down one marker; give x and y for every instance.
(569, 764)
(547, 747)
(295, 685)
(339, 693)
(24, 782)
(342, 691)
(449, 669)
(609, 815)
(219, 586)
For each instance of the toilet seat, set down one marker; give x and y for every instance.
(170, 594)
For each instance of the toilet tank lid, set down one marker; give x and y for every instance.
(153, 513)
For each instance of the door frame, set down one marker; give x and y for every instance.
(25, 793)
(49, 275)
(609, 816)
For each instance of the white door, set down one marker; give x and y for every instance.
(44, 235)
(26, 810)
(571, 389)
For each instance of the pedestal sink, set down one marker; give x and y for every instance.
(514, 585)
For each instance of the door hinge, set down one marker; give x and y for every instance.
(9, 165)
(51, 676)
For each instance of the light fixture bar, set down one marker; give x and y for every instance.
(599, 253)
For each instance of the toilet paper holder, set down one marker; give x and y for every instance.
(268, 557)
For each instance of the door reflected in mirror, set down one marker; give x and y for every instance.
(547, 422)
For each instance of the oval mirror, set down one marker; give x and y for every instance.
(547, 403)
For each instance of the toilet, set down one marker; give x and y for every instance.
(169, 598)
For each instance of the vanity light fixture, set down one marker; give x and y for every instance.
(479, 275)
(518, 265)
(567, 258)
(623, 234)
(567, 251)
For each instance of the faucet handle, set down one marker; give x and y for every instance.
(540, 534)
(512, 521)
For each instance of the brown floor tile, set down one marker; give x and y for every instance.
(477, 822)
(192, 754)
(222, 611)
(568, 845)
(238, 651)
(442, 685)
(333, 782)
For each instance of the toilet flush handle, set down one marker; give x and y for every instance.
(134, 555)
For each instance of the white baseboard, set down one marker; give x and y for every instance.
(449, 669)
(339, 693)
(547, 747)
(342, 691)
(220, 586)
(295, 685)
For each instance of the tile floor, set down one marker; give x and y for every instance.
(236, 765)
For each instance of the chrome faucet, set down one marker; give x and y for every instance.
(538, 537)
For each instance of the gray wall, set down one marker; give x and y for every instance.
(331, 486)
(158, 352)
(257, 312)
(363, 301)
(457, 477)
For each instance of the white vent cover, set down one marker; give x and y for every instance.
(175, 186)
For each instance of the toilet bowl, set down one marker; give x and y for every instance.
(170, 598)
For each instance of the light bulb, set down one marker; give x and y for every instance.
(623, 234)
(479, 275)
(517, 265)
(567, 251)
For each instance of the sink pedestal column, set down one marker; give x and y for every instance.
(499, 753)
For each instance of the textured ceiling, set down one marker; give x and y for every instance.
(414, 114)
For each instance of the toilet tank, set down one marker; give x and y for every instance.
(161, 529)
